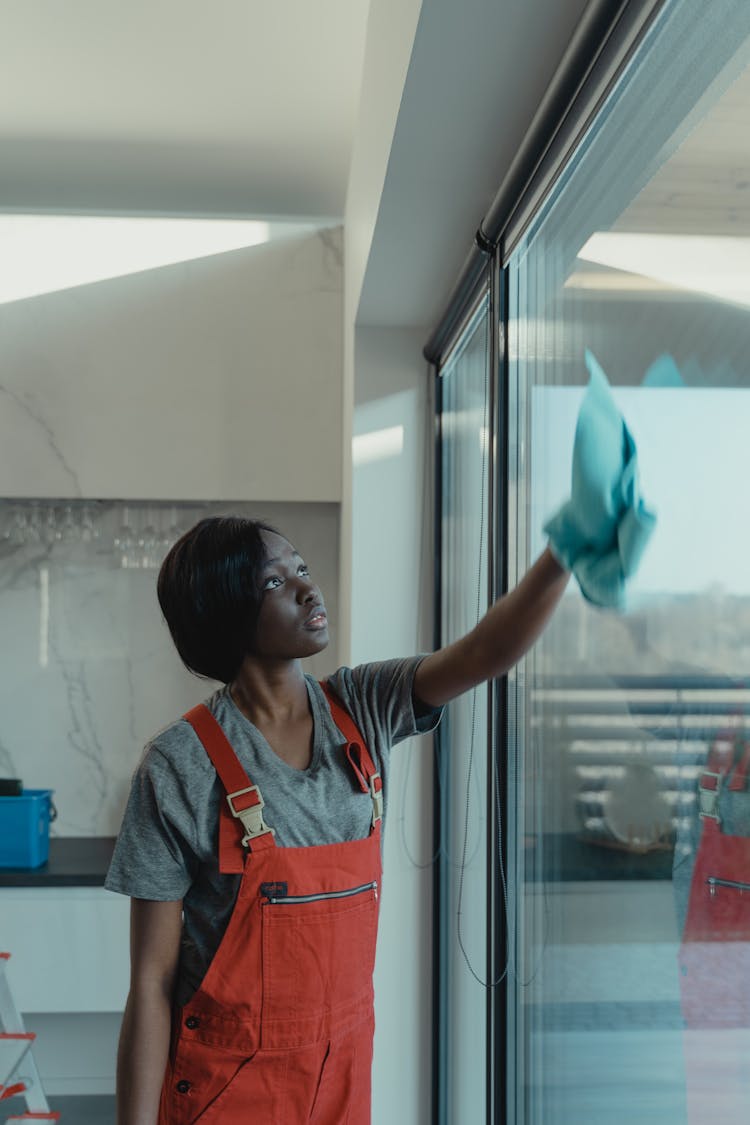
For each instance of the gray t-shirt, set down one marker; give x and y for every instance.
(167, 848)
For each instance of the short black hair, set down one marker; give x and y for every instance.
(209, 592)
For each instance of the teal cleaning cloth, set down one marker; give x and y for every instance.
(600, 534)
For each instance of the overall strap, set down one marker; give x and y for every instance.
(719, 766)
(244, 801)
(739, 776)
(358, 755)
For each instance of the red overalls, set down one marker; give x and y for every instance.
(715, 958)
(280, 1030)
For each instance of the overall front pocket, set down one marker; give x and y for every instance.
(727, 909)
(318, 952)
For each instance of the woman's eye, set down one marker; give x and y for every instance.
(271, 583)
(304, 569)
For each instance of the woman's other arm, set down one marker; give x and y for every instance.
(498, 641)
(155, 929)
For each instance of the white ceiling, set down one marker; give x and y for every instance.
(231, 107)
(237, 108)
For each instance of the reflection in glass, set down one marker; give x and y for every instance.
(633, 880)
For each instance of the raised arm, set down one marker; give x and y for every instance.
(155, 929)
(498, 641)
(599, 534)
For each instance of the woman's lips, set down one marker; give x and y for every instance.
(317, 620)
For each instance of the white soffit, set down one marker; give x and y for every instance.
(236, 107)
(477, 74)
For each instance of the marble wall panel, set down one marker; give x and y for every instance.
(219, 377)
(87, 668)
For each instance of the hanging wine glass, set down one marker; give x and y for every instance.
(68, 529)
(51, 532)
(19, 527)
(125, 542)
(147, 541)
(35, 528)
(174, 530)
(89, 530)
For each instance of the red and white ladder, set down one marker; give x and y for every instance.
(18, 1072)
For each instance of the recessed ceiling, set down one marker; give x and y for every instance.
(234, 108)
(688, 229)
(704, 186)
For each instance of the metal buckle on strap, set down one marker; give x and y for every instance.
(252, 816)
(377, 799)
(708, 799)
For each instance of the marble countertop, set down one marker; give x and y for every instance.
(74, 861)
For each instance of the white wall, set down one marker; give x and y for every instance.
(213, 379)
(392, 507)
(390, 36)
(392, 532)
(391, 27)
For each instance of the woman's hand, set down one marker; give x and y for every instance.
(601, 532)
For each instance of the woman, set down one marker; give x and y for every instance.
(271, 1013)
(251, 842)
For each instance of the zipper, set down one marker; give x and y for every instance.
(714, 882)
(293, 900)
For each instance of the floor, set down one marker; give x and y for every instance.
(73, 1110)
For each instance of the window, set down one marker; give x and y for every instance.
(461, 855)
(624, 1006)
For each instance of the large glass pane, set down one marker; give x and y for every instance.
(630, 999)
(464, 427)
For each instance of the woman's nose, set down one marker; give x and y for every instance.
(307, 590)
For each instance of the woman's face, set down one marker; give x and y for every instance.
(292, 622)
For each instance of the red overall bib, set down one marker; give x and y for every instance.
(280, 1030)
(715, 959)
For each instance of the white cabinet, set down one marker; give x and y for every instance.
(69, 948)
